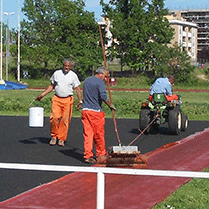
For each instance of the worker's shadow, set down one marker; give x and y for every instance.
(74, 153)
(43, 140)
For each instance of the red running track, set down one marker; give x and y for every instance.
(78, 190)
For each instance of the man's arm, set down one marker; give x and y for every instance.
(47, 91)
(78, 90)
(111, 106)
(103, 96)
(169, 89)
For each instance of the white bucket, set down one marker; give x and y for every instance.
(36, 116)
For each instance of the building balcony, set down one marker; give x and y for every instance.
(190, 54)
(203, 33)
(189, 34)
(203, 38)
(184, 44)
(203, 44)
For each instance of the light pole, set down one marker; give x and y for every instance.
(1, 38)
(18, 47)
(7, 42)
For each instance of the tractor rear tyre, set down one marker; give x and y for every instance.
(184, 122)
(144, 120)
(174, 121)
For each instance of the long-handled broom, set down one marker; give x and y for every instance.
(120, 156)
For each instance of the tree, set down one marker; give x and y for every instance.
(180, 64)
(172, 60)
(139, 27)
(4, 27)
(56, 29)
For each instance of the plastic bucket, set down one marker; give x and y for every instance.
(36, 116)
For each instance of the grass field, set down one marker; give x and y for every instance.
(128, 104)
(124, 79)
(193, 195)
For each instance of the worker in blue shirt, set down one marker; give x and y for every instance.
(164, 85)
(93, 118)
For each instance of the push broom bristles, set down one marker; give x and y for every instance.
(123, 156)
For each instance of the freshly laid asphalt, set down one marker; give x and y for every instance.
(21, 144)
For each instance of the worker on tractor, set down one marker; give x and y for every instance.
(163, 85)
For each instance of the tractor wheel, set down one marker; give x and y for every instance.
(144, 120)
(184, 122)
(174, 121)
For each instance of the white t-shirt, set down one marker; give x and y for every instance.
(64, 82)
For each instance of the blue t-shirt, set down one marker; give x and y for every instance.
(161, 85)
(94, 94)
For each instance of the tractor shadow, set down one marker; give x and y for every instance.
(162, 130)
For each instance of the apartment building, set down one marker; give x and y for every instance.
(201, 18)
(185, 34)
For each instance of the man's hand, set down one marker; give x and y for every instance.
(112, 107)
(48, 90)
(79, 105)
(38, 98)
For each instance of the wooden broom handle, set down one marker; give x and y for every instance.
(108, 84)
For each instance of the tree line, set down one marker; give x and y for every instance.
(56, 29)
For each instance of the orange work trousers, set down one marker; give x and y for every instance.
(169, 98)
(93, 132)
(61, 114)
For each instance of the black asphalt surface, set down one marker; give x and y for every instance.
(21, 144)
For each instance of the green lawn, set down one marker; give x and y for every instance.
(16, 102)
(127, 80)
(192, 195)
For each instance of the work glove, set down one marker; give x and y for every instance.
(112, 107)
(79, 105)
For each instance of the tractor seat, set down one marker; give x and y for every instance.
(159, 98)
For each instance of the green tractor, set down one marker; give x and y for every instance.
(159, 111)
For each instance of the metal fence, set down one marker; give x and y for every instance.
(101, 171)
